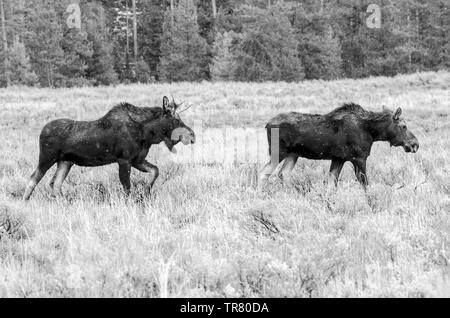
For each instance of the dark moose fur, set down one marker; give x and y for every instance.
(124, 135)
(345, 134)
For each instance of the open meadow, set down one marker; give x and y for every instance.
(204, 230)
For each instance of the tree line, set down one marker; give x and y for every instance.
(223, 40)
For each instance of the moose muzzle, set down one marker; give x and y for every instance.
(183, 134)
(412, 146)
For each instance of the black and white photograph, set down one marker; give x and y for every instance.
(235, 151)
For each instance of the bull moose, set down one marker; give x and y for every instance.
(124, 136)
(345, 134)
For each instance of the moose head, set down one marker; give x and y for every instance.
(398, 133)
(177, 130)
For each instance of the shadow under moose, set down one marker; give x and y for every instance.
(345, 134)
(124, 136)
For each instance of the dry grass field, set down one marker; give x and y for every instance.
(204, 230)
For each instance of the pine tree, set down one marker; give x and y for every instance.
(5, 72)
(379, 45)
(434, 27)
(442, 49)
(151, 28)
(20, 66)
(222, 65)
(411, 52)
(227, 19)
(205, 20)
(319, 44)
(43, 36)
(77, 52)
(268, 50)
(76, 48)
(348, 23)
(183, 50)
(101, 64)
(142, 72)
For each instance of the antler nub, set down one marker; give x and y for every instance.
(189, 106)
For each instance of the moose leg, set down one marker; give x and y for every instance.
(146, 166)
(288, 165)
(36, 177)
(266, 172)
(270, 167)
(124, 175)
(60, 175)
(360, 172)
(58, 168)
(52, 182)
(335, 170)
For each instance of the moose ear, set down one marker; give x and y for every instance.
(165, 103)
(397, 114)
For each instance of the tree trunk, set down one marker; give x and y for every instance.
(419, 40)
(135, 32)
(214, 8)
(172, 9)
(127, 48)
(5, 43)
(19, 36)
(409, 41)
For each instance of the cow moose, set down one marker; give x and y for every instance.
(124, 136)
(345, 134)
